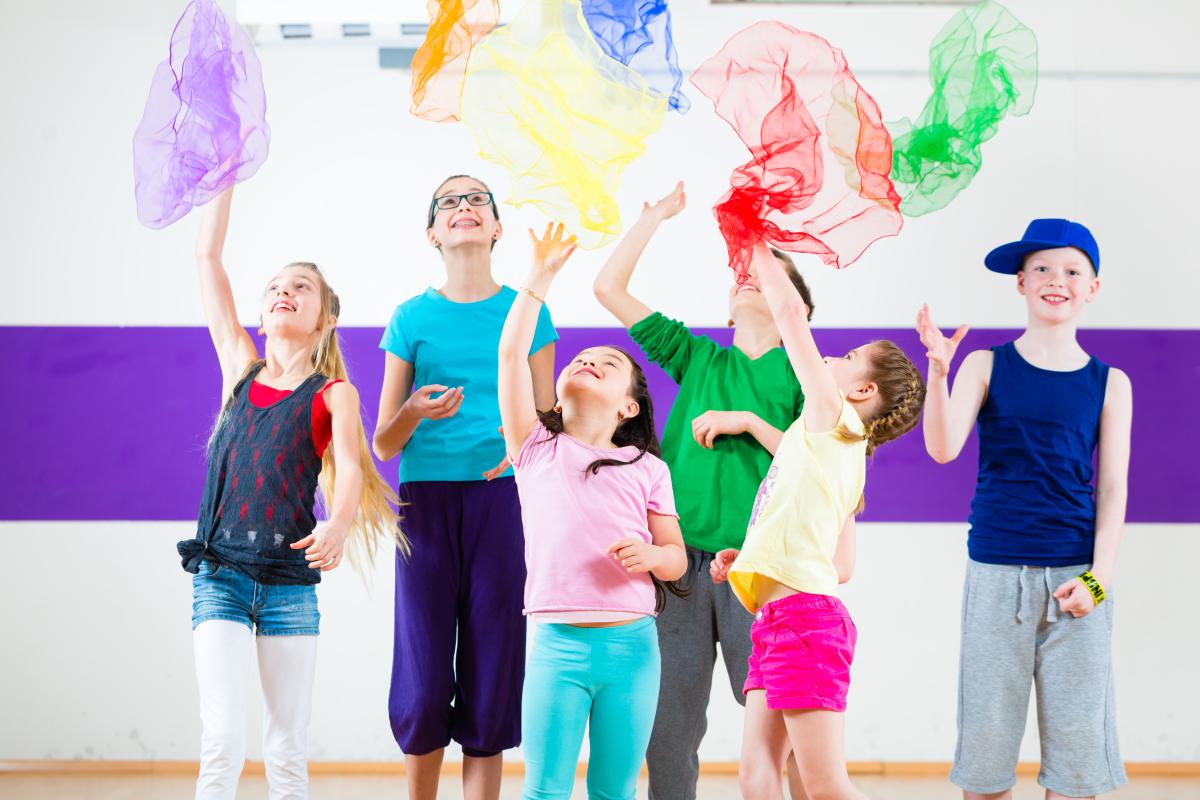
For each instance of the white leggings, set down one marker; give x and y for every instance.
(286, 665)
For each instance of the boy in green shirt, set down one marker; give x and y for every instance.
(733, 405)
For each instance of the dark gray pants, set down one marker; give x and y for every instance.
(688, 632)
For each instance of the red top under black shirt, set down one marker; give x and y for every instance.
(262, 396)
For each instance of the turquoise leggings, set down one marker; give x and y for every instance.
(607, 677)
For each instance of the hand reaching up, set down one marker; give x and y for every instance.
(551, 251)
(939, 349)
(668, 206)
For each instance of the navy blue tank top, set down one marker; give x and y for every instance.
(260, 488)
(1038, 429)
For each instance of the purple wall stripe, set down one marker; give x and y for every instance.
(110, 423)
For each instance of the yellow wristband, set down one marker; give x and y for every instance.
(1093, 586)
(533, 294)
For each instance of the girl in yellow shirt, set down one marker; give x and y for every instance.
(800, 546)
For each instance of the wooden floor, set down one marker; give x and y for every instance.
(123, 787)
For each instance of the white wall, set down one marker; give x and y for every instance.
(96, 641)
(350, 172)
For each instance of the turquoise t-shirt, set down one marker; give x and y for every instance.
(456, 344)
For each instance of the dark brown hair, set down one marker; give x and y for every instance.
(789, 266)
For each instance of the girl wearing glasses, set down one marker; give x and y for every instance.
(459, 651)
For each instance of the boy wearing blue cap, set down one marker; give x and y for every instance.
(1037, 602)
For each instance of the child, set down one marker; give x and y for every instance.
(601, 534)
(288, 418)
(733, 405)
(459, 656)
(800, 546)
(1039, 536)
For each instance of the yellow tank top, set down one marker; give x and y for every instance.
(814, 484)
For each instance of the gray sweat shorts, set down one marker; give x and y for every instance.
(1013, 636)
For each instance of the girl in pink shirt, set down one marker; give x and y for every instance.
(602, 542)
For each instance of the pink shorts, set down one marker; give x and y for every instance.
(803, 646)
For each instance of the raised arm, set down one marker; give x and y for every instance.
(949, 416)
(235, 349)
(518, 403)
(541, 365)
(822, 400)
(612, 284)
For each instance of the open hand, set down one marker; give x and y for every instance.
(939, 349)
(424, 405)
(668, 206)
(551, 251)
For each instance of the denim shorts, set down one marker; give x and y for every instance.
(268, 609)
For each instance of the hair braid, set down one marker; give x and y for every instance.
(901, 394)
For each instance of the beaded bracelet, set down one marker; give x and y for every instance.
(1093, 586)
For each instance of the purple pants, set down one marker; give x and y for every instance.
(463, 585)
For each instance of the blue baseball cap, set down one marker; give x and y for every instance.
(1043, 234)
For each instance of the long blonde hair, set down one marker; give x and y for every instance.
(377, 519)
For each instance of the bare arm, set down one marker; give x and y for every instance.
(518, 402)
(612, 284)
(235, 349)
(949, 416)
(323, 548)
(665, 534)
(711, 424)
(846, 552)
(541, 366)
(400, 412)
(1112, 482)
(663, 557)
(822, 399)
(394, 427)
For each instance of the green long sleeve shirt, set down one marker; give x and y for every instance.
(715, 489)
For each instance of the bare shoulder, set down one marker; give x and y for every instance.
(341, 395)
(977, 365)
(1118, 389)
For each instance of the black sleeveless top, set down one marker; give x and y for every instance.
(260, 488)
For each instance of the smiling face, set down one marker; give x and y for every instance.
(292, 303)
(747, 298)
(598, 376)
(465, 224)
(1057, 283)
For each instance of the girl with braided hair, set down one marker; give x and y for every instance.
(800, 546)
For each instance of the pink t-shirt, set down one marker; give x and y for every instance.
(572, 516)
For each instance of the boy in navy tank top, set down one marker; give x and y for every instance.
(1037, 602)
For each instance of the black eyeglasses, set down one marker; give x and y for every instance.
(449, 202)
